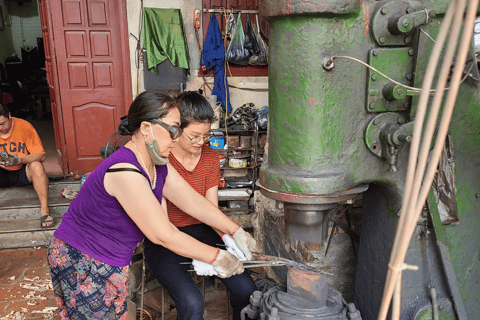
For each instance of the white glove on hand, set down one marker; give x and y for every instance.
(203, 268)
(245, 242)
(11, 160)
(233, 248)
(227, 265)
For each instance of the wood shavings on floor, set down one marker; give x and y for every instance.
(35, 285)
(14, 316)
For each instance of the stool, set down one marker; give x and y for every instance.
(201, 279)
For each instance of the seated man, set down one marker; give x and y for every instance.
(21, 157)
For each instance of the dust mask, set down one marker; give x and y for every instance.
(154, 152)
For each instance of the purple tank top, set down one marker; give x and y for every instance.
(96, 224)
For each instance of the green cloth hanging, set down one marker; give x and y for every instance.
(163, 37)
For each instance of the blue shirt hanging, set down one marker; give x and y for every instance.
(213, 56)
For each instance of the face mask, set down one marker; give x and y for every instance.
(154, 152)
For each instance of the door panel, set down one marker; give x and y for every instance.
(52, 79)
(91, 75)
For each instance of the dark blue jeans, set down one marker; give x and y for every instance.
(179, 283)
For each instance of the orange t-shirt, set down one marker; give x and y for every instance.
(206, 175)
(23, 140)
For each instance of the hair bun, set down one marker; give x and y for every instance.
(123, 128)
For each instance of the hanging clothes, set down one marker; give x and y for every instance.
(163, 37)
(213, 56)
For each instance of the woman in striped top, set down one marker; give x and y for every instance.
(199, 165)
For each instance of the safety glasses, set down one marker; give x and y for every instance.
(175, 132)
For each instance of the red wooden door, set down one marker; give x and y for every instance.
(52, 79)
(93, 68)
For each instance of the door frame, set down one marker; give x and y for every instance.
(125, 47)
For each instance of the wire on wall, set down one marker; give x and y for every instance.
(138, 49)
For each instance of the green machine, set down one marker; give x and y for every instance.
(338, 129)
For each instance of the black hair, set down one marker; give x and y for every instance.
(149, 105)
(4, 110)
(194, 108)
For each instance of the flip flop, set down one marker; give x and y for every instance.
(46, 218)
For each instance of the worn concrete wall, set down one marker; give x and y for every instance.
(194, 81)
(25, 24)
(6, 47)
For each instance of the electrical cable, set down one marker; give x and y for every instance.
(138, 49)
(387, 77)
(236, 86)
(224, 12)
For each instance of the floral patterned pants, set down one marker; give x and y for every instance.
(84, 287)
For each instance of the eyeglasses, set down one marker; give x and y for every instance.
(196, 139)
(175, 132)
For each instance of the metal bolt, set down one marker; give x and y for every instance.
(405, 23)
(409, 76)
(375, 53)
(401, 120)
(374, 77)
(383, 11)
(410, 51)
(381, 39)
(375, 121)
(406, 105)
(399, 92)
(409, 138)
(408, 39)
(372, 106)
(477, 195)
(440, 308)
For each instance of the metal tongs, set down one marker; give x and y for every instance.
(262, 263)
(263, 260)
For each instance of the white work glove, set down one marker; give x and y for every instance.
(245, 242)
(203, 268)
(227, 265)
(11, 160)
(233, 248)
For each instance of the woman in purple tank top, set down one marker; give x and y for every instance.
(119, 204)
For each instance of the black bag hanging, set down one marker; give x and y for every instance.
(261, 58)
(230, 26)
(250, 40)
(236, 52)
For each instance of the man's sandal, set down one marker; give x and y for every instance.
(46, 218)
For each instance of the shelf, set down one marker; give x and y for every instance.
(237, 131)
(233, 149)
(236, 210)
(226, 198)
